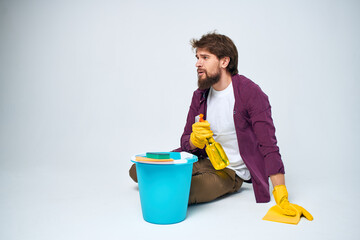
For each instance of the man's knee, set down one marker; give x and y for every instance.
(132, 173)
(206, 187)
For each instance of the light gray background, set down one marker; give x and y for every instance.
(84, 85)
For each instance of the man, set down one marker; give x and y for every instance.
(238, 116)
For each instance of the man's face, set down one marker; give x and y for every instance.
(208, 68)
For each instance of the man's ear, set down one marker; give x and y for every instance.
(224, 62)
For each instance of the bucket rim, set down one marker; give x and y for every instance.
(179, 158)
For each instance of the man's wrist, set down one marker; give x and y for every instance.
(277, 179)
(192, 146)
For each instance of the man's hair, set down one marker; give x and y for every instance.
(219, 45)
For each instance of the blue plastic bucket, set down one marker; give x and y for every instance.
(164, 188)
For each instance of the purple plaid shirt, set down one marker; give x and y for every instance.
(254, 129)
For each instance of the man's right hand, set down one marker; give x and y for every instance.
(201, 132)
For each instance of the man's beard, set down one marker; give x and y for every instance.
(209, 80)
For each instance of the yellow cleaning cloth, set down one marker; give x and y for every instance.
(283, 211)
(275, 215)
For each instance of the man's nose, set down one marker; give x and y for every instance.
(198, 63)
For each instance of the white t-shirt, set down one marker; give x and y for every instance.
(220, 115)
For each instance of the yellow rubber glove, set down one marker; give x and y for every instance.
(284, 211)
(201, 132)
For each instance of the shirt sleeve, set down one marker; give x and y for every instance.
(190, 120)
(259, 111)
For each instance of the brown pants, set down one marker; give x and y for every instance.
(207, 183)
